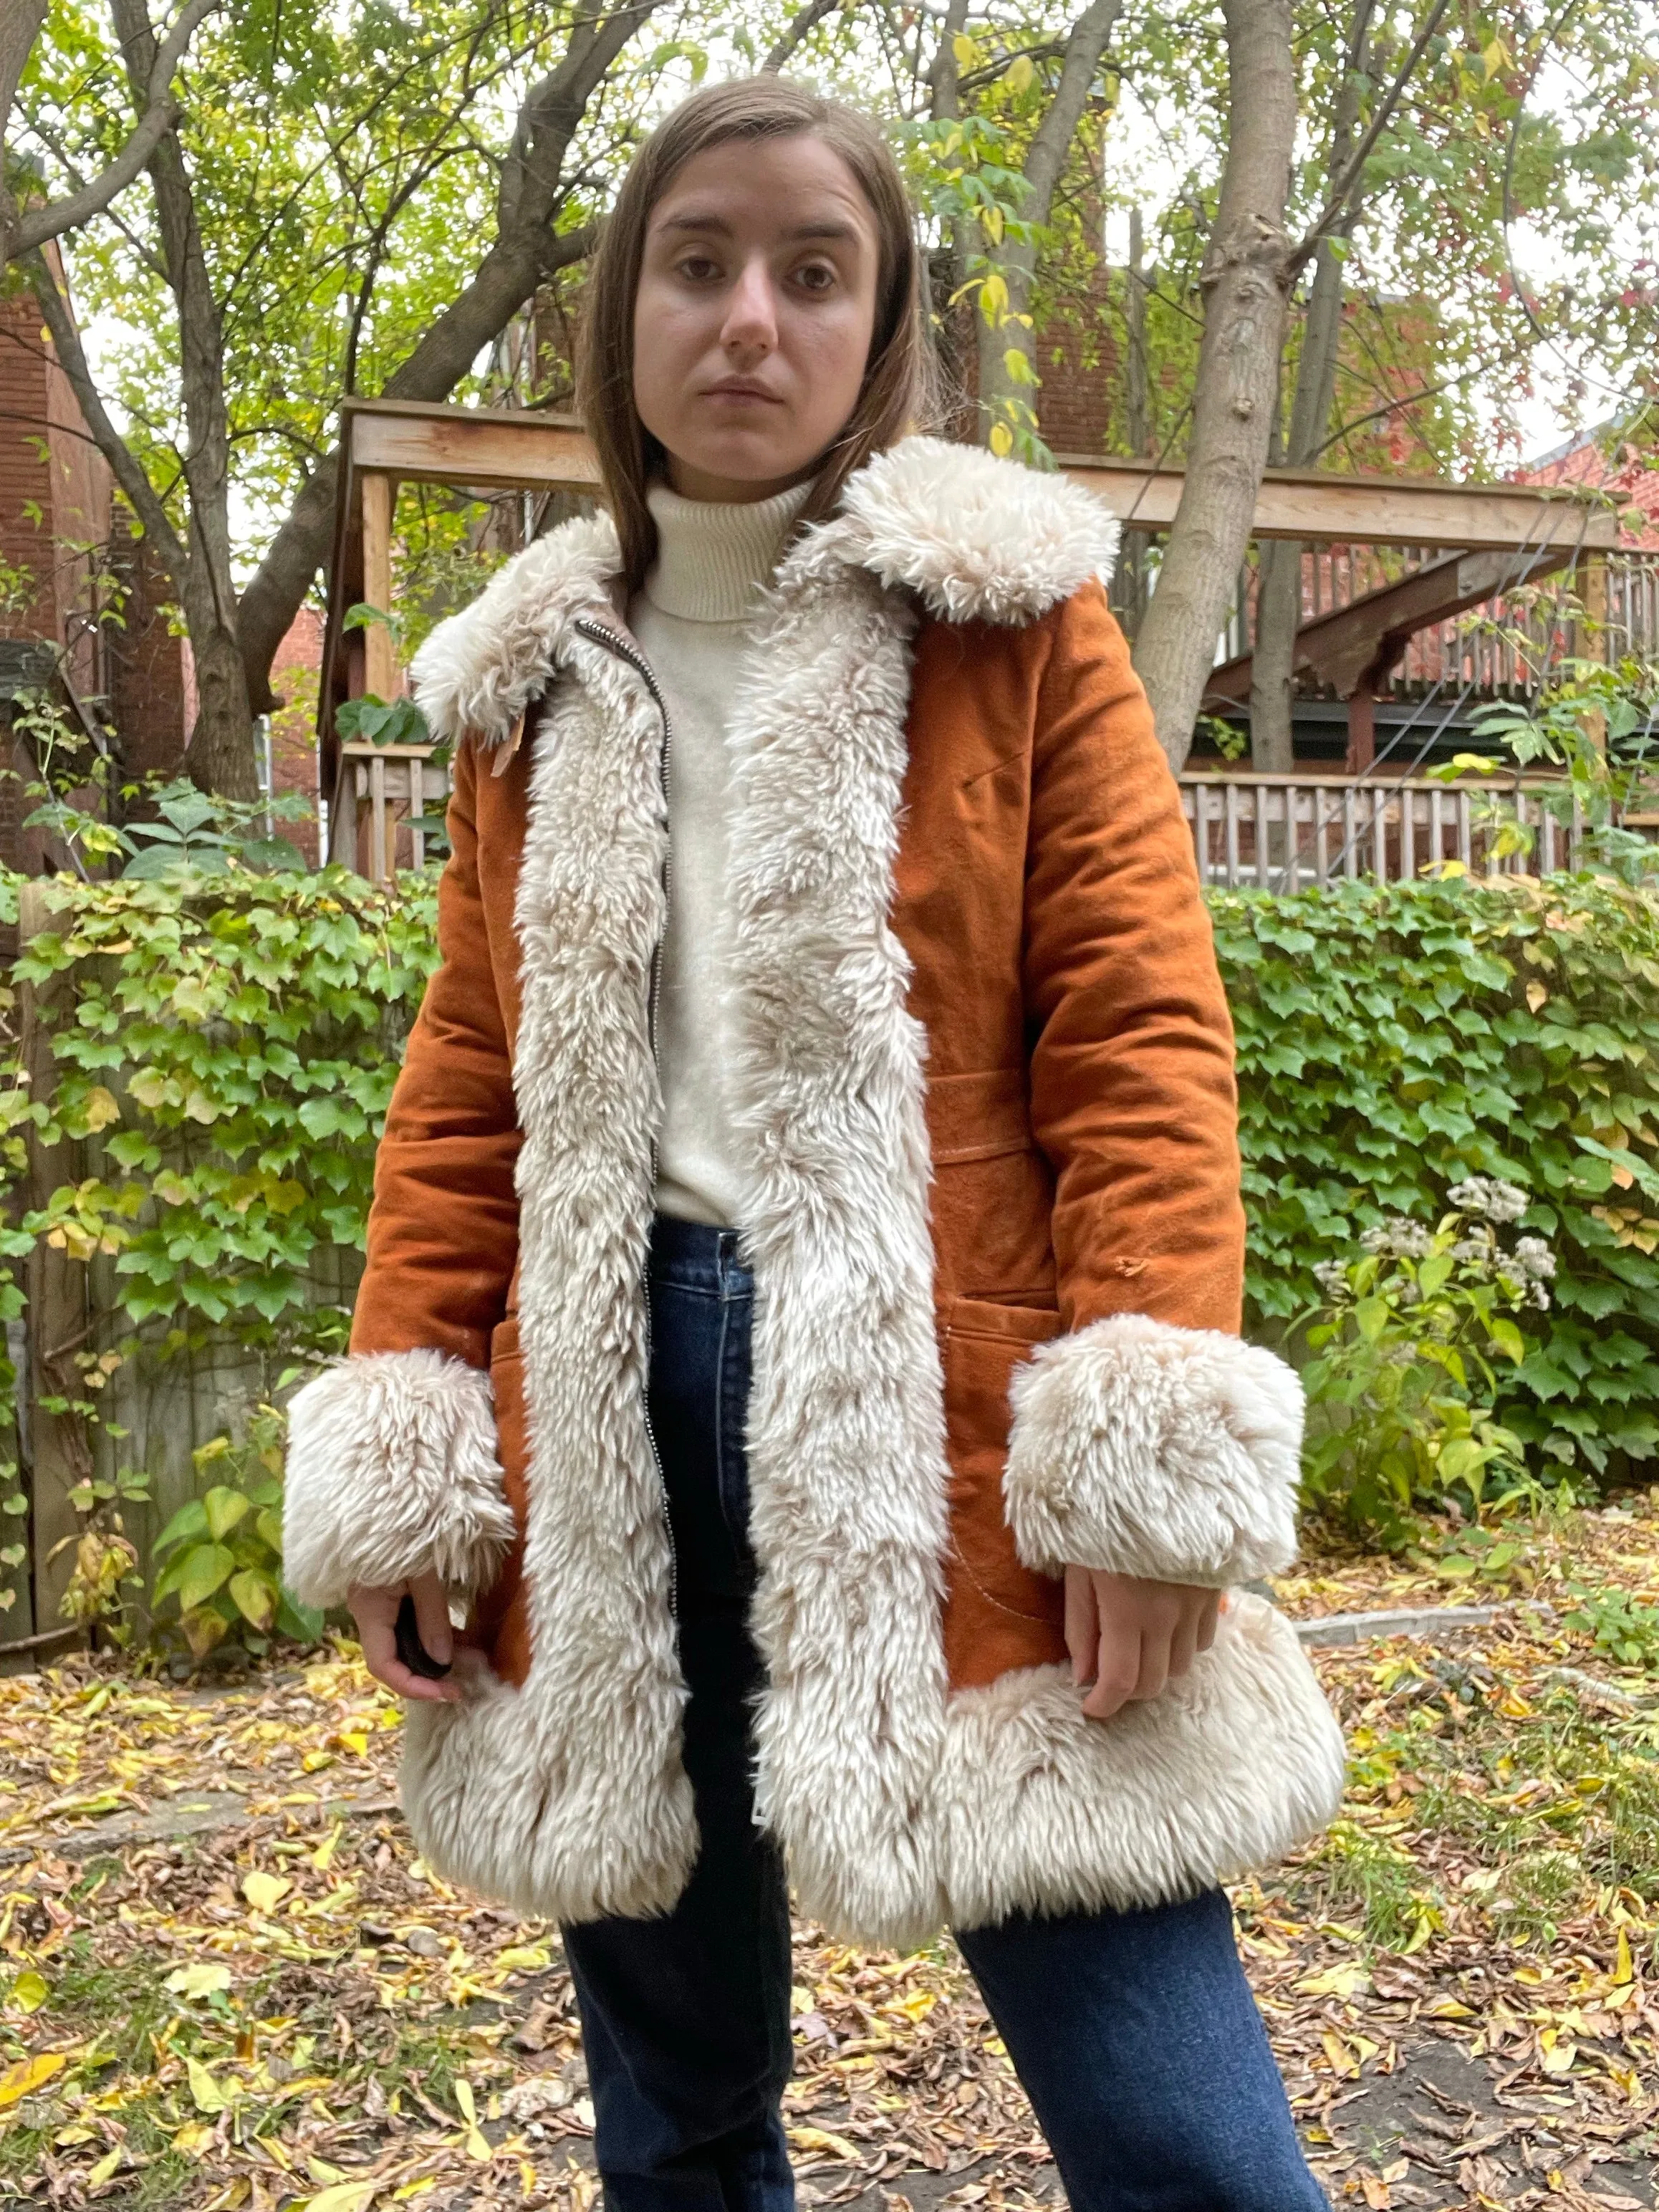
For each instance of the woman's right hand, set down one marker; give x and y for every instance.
(375, 1608)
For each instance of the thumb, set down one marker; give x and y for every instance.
(432, 1617)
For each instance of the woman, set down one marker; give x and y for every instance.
(828, 1069)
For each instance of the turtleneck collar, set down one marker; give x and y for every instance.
(712, 559)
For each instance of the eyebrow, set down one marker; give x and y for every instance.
(716, 226)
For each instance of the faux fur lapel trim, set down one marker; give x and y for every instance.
(975, 539)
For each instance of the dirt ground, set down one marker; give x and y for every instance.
(226, 1980)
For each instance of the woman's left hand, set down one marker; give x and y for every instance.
(1129, 1638)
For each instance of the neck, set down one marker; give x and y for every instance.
(714, 557)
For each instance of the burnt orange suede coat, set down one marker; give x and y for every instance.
(1044, 982)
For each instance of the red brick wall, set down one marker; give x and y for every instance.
(294, 679)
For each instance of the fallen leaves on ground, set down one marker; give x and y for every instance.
(285, 2008)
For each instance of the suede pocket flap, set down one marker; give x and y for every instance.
(977, 1116)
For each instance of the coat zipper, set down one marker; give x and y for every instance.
(599, 632)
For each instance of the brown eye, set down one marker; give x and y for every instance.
(697, 269)
(815, 276)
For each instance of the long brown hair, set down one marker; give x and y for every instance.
(898, 392)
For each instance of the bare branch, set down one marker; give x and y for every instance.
(160, 112)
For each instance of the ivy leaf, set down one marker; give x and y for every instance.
(201, 1570)
(223, 1508)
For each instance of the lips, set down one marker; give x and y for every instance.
(736, 388)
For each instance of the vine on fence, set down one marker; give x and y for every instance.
(223, 1048)
(1395, 1039)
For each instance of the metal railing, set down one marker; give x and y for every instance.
(1287, 832)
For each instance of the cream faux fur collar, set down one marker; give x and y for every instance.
(975, 539)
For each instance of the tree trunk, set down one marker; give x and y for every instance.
(1245, 282)
(1131, 593)
(220, 756)
(20, 27)
(1015, 259)
(1278, 588)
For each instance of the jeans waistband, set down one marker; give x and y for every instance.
(693, 1256)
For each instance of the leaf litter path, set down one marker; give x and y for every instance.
(226, 1980)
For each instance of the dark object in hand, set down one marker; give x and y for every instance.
(411, 1649)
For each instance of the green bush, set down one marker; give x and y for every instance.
(1396, 1039)
(224, 1043)
(1405, 1369)
(226, 1571)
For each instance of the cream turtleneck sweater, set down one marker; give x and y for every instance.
(692, 621)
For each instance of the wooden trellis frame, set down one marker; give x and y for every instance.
(385, 442)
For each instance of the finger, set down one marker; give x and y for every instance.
(432, 1619)
(1154, 1670)
(1208, 1618)
(375, 1614)
(1117, 1669)
(1183, 1645)
(1082, 1623)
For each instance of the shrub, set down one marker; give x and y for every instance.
(226, 1565)
(1395, 1039)
(1404, 1375)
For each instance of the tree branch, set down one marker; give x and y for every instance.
(71, 359)
(806, 19)
(1331, 215)
(160, 112)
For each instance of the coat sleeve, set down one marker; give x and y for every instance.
(393, 1468)
(1147, 1440)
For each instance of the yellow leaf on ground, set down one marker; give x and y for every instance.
(820, 2139)
(524, 1959)
(22, 2080)
(29, 1992)
(106, 2169)
(205, 2091)
(202, 1980)
(264, 1892)
(341, 2197)
(1344, 1980)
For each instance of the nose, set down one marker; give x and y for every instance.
(749, 332)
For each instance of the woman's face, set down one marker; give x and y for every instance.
(754, 316)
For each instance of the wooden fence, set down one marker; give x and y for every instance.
(1294, 833)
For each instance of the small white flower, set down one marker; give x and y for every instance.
(1540, 1298)
(1332, 1277)
(1477, 1250)
(1534, 1257)
(1507, 1202)
(1489, 1196)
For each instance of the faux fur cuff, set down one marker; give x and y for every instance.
(393, 1472)
(1168, 1453)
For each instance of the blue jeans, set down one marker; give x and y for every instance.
(1135, 2034)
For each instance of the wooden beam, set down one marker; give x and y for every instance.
(380, 660)
(1321, 509)
(520, 447)
(485, 448)
(1358, 644)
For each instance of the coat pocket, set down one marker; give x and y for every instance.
(999, 1614)
(993, 1196)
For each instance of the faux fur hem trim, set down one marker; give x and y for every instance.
(1044, 1811)
(501, 1800)
(393, 1472)
(1168, 1453)
(974, 538)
